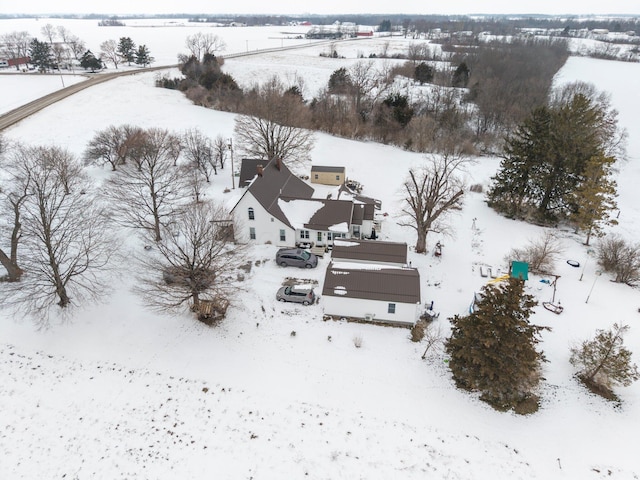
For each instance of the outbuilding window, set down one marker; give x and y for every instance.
(392, 308)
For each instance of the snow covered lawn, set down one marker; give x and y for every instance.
(118, 391)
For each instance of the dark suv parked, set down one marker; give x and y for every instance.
(296, 257)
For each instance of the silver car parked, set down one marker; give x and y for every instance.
(296, 257)
(297, 295)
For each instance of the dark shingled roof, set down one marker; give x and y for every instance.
(249, 169)
(320, 168)
(276, 182)
(332, 213)
(401, 285)
(370, 251)
(370, 204)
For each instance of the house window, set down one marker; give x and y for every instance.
(319, 236)
(356, 231)
(315, 177)
(252, 233)
(283, 235)
(391, 308)
(304, 234)
(251, 214)
(329, 236)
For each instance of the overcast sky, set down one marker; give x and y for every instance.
(324, 6)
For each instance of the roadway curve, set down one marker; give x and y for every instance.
(17, 114)
(22, 112)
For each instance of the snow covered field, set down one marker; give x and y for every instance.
(121, 392)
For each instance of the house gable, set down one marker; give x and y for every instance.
(277, 180)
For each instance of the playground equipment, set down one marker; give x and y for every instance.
(552, 306)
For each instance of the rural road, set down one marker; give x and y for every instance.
(22, 112)
(17, 114)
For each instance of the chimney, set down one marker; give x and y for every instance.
(278, 163)
(259, 168)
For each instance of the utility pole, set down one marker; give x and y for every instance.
(230, 147)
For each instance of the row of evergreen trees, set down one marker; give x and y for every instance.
(43, 58)
(558, 164)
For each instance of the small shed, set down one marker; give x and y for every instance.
(328, 175)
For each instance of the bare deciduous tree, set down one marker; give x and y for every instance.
(431, 193)
(77, 46)
(150, 189)
(620, 257)
(541, 254)
(201, 44)
(193, 261)
(109, 51)
(195, 181)
(271, 126)
(114, 145)
(12, 198)
(199, 151)
(15, 45)
(368, 85)
(50, 32)
(263, 138)
(65, 235)
(220, 149)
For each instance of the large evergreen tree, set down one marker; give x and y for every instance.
(546, 158)
(41, 56)
(525, 151)
(90, 62)
(423, 73)
(594, 198)
(127, 49)
(493, 349)
(143, 57)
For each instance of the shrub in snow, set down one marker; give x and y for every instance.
(541, 254)
(617, 256)
(604, 362)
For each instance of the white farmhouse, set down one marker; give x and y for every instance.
(279, 208)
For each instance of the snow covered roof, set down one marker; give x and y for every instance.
(317, 214)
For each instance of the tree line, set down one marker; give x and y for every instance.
(468, 98)
(60, 48)
(61, 244)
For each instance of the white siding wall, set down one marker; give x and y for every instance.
(339, 306)
(266, 230)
